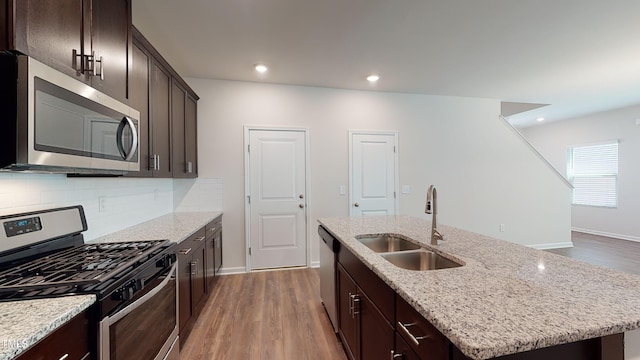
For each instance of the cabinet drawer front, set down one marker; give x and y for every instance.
(72, 339)
(423, 338)
(188, 247)
(375, 288)
(214, 227)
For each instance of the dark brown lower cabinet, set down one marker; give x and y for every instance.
(376, 334)
(348, 329)
(365, 332)
(191, 281)
(213, 250)
(197, 265)
(70, 341)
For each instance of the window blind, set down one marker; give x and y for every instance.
(593, 171)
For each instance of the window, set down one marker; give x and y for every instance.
(593, 171)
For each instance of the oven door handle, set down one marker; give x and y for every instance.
(134, 305)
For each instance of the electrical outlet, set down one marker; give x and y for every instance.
(502, 227)
(102, 204)
(156, 194)
(343, 190)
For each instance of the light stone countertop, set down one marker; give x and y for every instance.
(507, 298)
(175, 227)
(23, 323)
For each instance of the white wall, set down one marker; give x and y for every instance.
(632, 345)
(552, 140)
(485, 175)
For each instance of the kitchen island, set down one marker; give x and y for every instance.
(506, 298)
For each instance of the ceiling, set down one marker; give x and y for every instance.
(579, 56)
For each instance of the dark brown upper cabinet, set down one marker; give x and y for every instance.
(183, 120)
(89, 40)
(150, 94)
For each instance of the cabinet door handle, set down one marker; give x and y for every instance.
(395, 356)
(95, 66)
(356, 305)
(414, 339)
(200, 238)
(351, 304)
(74, 62)
(158, 162)
(353, 300)
(194, 267)
(189, 167)
(63, 357)
(185, 251)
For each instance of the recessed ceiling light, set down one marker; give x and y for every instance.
(540, 119)
(373, 78)
(261, 68)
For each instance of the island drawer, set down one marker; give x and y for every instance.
(422, 337)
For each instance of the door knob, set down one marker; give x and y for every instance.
(356, 205)
(301, 196)
(301, 206)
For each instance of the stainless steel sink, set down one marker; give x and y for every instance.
(386, 243)
(420, 260)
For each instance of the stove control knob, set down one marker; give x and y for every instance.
(126, 292)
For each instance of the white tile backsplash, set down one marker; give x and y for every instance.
(201, 194)
(128, 201)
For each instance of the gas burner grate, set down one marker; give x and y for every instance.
(82, 265)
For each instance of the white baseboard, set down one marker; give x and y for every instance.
(607, 234)
(243, 270)
(552, 246)
(233, 270)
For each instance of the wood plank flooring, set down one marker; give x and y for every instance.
(623, 255)
(265, 315)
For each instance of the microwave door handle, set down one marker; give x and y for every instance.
(126, 121)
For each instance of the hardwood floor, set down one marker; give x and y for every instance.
(266, 315)
(623, 255)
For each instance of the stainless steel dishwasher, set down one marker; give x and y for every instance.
(329, 247)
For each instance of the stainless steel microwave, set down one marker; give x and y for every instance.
(55, 123)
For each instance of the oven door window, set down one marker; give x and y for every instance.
(68, 123)
(142, 333)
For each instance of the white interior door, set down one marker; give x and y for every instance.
(373, 174)
(277, 199)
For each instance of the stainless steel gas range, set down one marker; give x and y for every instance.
(43, 254)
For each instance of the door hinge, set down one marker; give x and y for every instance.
(394, 148)
(249, 251)
(394, 194)
(248, 148)
(249, 199)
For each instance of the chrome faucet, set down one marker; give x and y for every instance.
(432, 208)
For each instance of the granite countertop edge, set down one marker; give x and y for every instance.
(175, 227)
(26, 324)
(404, 283)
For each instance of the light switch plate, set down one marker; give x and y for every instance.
(343, 190)
(406, 189)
